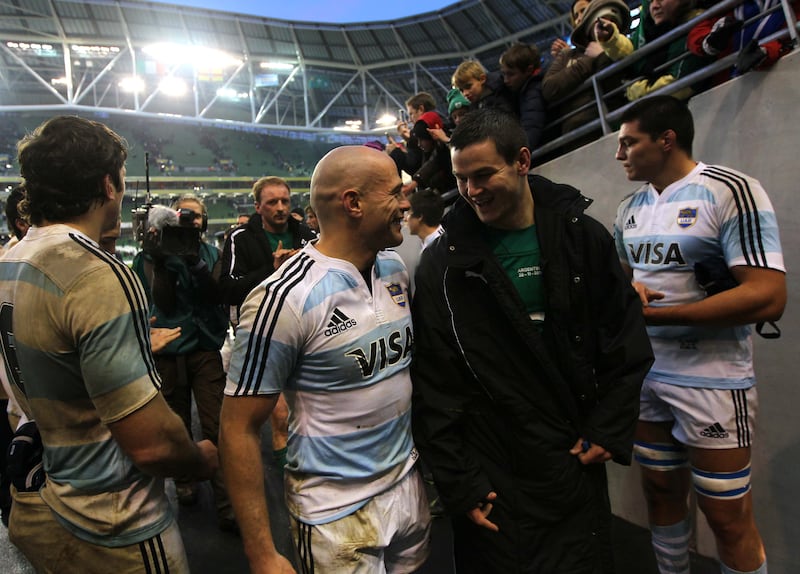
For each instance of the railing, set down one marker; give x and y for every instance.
(606, 118)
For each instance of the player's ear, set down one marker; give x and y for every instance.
(351, 202)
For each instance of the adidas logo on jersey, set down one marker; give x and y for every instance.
(338, 323)
(631, 223)
(714, 431)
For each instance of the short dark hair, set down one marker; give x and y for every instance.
(658, 114)
(428, 205)
(12, 209)
(521, 56)
(64, 163)
(491, 124)
(423, 99)
(268, 180)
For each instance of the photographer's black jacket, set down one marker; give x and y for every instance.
(247, 257)
(498, 403)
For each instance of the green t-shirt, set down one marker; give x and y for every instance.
(274, 238)
(518, 253)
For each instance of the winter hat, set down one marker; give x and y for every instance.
(615, 10)
(456, 101)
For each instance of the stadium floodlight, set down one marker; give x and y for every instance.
(132, 84)
(386, 119)
(94, 51)
(231, 94)
(276, 66)
(172, 86)
(199, 57)
(349, 126)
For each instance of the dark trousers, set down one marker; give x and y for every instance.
(198, 373)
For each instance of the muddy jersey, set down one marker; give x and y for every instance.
(340, 350)
(714, 215)
(76, 343)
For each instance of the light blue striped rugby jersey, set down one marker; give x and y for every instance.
(713, 212)
(341, 355)
(76, 320)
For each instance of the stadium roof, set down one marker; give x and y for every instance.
(136, 57)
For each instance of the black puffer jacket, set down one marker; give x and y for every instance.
(499, 403)
(247, 257)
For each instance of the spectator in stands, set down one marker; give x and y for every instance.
(18, 224)
(718, 37)
(111, 438)
(698, 402)
(526, 374)
(424, 218)
(483, 90)
(311, 219)
(299, 214)
(520, 66)
(252, 253)
(665, 65)
(408, 155)
(436, 171)
(183, 291)
(356, 500)
(573, 66)
(457, 107)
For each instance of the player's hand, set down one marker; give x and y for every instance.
(589, 453)
(281, 255)
(274, 563)
(208, 452)
(646, 295)
(479, 514)
(161, 337)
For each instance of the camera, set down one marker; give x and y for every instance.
(166, 232)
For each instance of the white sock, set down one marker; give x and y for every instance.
(671, 547)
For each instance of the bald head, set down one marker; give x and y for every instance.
(359, 201)
(346, 168)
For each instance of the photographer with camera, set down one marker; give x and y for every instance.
(180, 274)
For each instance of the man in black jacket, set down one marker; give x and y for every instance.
(530, 350)
(253, 252)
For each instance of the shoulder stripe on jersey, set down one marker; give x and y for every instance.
(134, 293)
(749, 224)
(266, 318)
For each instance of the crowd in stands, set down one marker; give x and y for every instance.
(557, 99)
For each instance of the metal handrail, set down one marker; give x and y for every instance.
(605, 118)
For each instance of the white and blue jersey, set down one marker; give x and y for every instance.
(340, 353)
(714, 213)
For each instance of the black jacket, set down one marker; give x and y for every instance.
(499, 403)
(247, 257)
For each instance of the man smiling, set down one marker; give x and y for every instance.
(530, 351)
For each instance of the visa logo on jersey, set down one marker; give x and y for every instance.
(656, 253)
(383, 352)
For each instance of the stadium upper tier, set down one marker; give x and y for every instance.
(214, 66)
